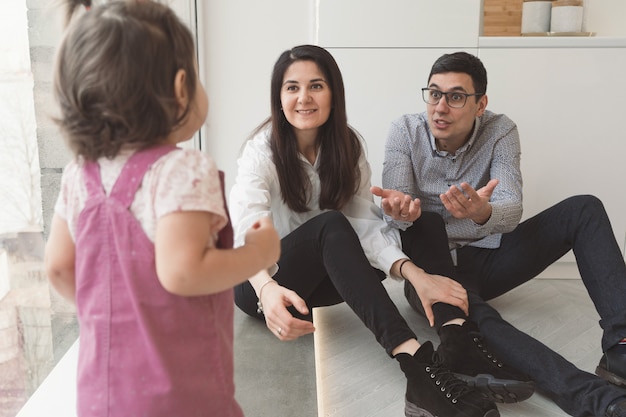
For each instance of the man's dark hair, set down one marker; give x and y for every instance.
(464, 63)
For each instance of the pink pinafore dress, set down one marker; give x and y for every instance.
(144, 352)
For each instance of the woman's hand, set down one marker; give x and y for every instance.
(275, 300)
(433, 289)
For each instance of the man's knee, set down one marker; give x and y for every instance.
(429, 224)
(585, 203)
(431, 218)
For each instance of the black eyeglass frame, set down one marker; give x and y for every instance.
(466, 95)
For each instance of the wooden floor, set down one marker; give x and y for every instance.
(344, 370)
(355, 377)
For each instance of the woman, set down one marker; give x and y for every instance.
(306, 168)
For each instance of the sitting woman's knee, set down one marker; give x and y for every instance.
(335, 219)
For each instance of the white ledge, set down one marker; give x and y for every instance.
(551, 42)
(56, 396)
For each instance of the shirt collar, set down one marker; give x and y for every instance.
(463, 148)
(316, 164)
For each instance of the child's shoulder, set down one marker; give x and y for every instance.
(72, 172)
(184, 180)
(187, 158)
(184, 166)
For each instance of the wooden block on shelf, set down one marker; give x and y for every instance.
(502, 17)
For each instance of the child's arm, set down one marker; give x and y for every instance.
(59, 259)
(187, 266)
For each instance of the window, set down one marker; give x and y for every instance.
(37, 327)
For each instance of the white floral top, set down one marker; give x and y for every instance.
(182, 180)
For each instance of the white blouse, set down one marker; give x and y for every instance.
(256, 193)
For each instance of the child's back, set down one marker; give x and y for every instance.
(140, 240)
(143, 350)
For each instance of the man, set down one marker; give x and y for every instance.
(462, 162)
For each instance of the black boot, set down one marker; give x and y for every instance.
(463, 351)
(434, 391)
(617, 408)
(612, 367)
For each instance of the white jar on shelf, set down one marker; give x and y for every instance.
(536, 16)
(566, 16)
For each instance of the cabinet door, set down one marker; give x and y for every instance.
(399, 23)
(569, 107)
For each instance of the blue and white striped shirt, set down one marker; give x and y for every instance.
(414, 166)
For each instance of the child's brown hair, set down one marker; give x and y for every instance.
(115, 75)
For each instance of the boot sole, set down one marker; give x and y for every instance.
(500, 390)
(610, 376)
(411, 410)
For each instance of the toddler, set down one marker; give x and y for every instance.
(141, 240)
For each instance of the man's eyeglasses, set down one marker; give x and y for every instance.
(455, 99)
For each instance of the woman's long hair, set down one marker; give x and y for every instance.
(339, 145)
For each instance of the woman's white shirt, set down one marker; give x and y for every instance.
(256, 193)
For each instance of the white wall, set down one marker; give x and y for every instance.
(560, 97)
(605, 17)
(565, 102)
(240, 41)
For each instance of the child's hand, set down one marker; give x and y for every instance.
(264, 238)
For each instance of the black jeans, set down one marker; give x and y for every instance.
(324, 263)
(580, 224)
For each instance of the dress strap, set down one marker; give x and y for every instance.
(134, 170)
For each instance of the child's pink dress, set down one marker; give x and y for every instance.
(144, 352)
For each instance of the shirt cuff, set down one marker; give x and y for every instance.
(388, 256)
(397, 224)
(492, 223)
(272, 270)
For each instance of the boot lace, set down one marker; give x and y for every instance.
(452, 387)
(481, 345)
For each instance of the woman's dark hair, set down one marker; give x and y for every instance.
(115, 74)
(339, 145)
(464, 63)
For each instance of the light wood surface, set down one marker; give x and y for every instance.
(356, 378)
(502, 17)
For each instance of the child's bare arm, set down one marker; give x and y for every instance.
(59, 259)
(187, 266)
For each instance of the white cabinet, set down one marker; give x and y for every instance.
(398, 23)
(569, 106)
